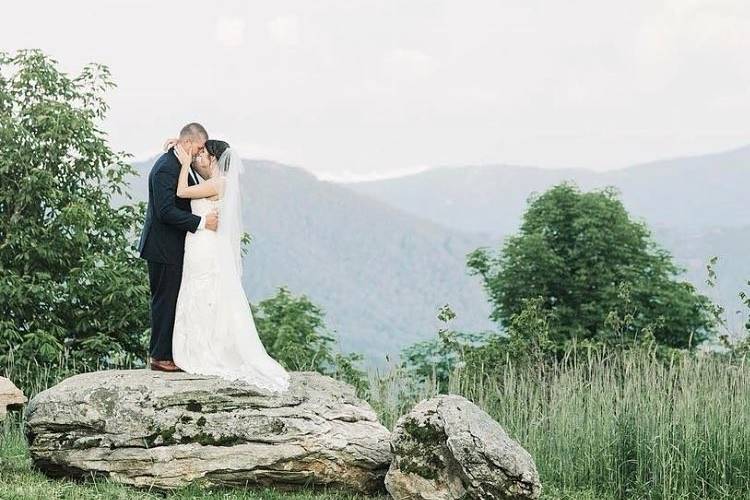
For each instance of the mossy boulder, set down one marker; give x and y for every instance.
(447, 448)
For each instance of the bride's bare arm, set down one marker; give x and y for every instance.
(203, 190)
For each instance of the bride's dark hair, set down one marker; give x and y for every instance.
(216, 147)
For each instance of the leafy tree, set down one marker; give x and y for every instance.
(71, 286)
(293, 332)
(575, 251)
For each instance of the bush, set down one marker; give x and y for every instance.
(293, 332)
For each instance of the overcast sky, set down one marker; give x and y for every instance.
(355, 89)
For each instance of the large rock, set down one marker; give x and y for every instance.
(11, 397)
(448, 448)
(165, 430)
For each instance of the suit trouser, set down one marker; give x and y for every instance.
(164, 280)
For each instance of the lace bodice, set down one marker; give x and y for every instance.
(201, 206)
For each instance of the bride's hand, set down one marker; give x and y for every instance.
(170, 143)
(183, 156)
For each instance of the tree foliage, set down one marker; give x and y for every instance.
(294, 333)
(70, 283)
(576, 251)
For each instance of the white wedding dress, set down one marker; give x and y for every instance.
(214, 330)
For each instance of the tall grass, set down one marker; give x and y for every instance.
(621, 424)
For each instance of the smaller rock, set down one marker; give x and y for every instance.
(448, 448)
(11, 397)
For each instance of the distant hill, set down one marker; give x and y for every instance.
(696, 206)
(692, 193)
(379, 273)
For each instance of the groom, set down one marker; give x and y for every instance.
(162, 243)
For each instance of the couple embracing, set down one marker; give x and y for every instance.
(201, 321)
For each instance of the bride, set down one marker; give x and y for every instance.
(214, 330)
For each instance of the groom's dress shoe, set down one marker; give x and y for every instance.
(174, 366)
(164, 366)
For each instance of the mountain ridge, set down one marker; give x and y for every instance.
(699, 191)
(694, 206)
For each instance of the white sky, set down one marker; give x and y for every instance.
(357, 89)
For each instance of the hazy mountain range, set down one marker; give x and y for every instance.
(380, 257)
(696, 206)
(692, 193)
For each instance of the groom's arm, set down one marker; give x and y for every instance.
(164, 189)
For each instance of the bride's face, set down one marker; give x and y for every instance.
(205, 164)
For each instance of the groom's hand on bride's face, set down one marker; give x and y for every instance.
(212, 220)
(182, 155)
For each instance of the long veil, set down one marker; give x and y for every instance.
(230, 204)
(236, 345)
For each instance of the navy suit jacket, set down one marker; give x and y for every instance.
(168, 218)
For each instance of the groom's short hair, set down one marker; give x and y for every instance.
(193, 130)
